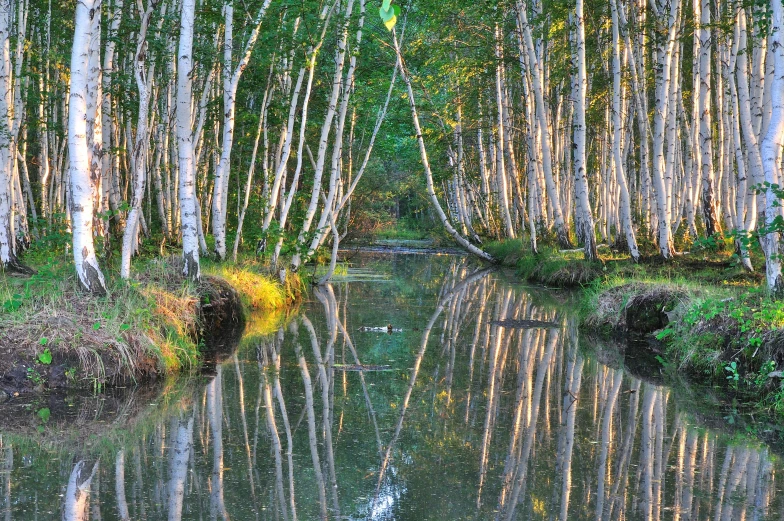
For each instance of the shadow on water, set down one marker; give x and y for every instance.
(490, 406)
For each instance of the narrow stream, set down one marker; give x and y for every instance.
(419, 387)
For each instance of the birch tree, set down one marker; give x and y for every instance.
(143, 76)
(584, 218)
(771, 149)
(187, 186)
(82, 182)
(231, 79)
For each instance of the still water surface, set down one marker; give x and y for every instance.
(482, 402)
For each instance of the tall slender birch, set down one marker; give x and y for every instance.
(709, 203)
(187, 183)
(81, 184)
(771, 151)
(531, 61)
(625, 209)
(8, 259)
(462, 241)
(584, 217)
(231, 79)
(143, 78)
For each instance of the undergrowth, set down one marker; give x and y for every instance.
(148, 325)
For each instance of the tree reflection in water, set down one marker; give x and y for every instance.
(475, 420)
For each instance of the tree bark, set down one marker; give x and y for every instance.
(82, 185)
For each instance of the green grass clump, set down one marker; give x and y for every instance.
(146, 325)
(151, 321)
(257, 290)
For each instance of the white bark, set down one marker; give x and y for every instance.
(530, 61)
(231, 79)
(178, 471)
(81, 184)
(110, 194)
(340, 60)
(77, 492)
(709, 205)
(771, 150)
(187, 184)
(500, 166)
(7, 240)
(143, 84)
(584, 216)
(625, 209)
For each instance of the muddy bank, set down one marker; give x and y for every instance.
(69, 350)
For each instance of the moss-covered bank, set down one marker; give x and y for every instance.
(701, 314)
(52, 335)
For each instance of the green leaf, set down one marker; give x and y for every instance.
(43, 341)
(386, 14)
(44, 414)
(45, 357)
(385, 4)
(396, 9)
(124, 327)
(97, 326)
(40, 429)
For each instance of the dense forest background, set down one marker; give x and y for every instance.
(281, 127)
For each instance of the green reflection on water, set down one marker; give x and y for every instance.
(473, 420)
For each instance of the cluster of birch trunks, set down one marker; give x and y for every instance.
(106, 164)
(686, 125)
(137, 129)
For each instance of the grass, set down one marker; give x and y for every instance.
(146, 326)
(257, 290)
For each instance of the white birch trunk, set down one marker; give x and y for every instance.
(110, 193)
(231, 79)
(584, 217)
(187, 182)
(709, 205)
(771, 151)
(500, 166)
(82, 185)
(143, 84)
(625, 210)
(462, 241)
(8, 258)
(532, 63)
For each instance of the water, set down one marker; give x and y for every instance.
(454, 417)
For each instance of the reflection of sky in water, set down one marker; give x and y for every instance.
(455, 417)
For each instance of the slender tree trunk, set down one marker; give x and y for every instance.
(625, 210)
(462, 241)
(8, 258)
(187, 182)
(231, 79)
(532, 63)
(584, 218)
(82, 185)
(771, 153)
(709, 205)
(143, 84)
